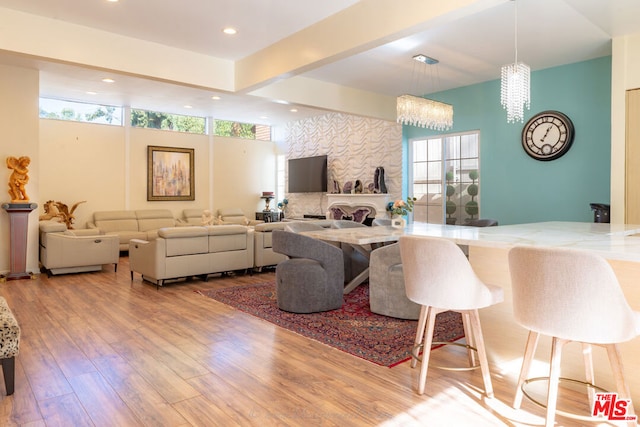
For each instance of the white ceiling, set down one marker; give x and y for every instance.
(470, 49)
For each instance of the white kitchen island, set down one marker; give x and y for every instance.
(488, 248)
(504, 339)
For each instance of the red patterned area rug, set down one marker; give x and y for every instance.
(353, 329)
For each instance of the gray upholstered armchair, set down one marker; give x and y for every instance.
(387, 294)
(312, 279)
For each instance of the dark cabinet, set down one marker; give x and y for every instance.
(268, 216)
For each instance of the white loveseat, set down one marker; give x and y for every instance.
(187, 251)
(74, 251)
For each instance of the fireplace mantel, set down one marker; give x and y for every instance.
(378, 201)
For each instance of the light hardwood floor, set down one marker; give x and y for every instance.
(100, 350)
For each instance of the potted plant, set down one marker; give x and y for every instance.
(283, 207)
(399, 209)
(450, 206)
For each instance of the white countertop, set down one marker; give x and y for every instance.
(612, 241)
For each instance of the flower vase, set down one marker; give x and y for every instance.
(398, 221)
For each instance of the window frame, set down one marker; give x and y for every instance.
(444, 163)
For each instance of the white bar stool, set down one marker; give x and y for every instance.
(438, 276)
(569, 295)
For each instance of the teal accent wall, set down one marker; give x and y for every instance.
(516, 188)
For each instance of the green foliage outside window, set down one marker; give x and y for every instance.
(235, 129)
(79, 111)
(164, 121)
(94, 113)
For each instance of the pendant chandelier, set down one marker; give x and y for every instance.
(515, 92)
(422, 112)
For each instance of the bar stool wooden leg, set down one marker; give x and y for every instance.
(615, 360)
(478, 339)
(529, 352)
(422, 320)
(469, 337)
(426, 349)
(554, 379)
(587, 354)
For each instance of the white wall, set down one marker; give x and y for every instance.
(625, 75)
(19, 123)
(89, 162)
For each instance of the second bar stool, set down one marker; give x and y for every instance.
(438, 276)
(569, 295)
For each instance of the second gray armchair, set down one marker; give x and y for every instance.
(387, 294)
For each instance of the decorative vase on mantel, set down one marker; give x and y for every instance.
(398, 221)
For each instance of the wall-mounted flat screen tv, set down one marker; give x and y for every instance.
(308, 174)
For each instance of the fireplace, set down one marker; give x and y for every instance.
(351, 203)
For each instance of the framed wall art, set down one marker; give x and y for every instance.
(170, 173)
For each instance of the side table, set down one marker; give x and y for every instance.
(268, 216)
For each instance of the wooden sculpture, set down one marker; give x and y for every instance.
(58, 211)
(19, 178)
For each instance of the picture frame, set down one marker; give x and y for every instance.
(170, 173)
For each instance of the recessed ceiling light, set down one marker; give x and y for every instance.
(112, 1)
(264, 117)
(108, 80)
(294, 110)
(229, 31)
(188, 106)
(89, 92)
(215, 97)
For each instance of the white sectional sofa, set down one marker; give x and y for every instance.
(188, 251)
(132, 224)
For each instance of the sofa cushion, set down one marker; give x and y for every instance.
(113, 215)
(230, 212)
(192, 216)
(117, 225)
(125, 236)
(153, 219)
(223, 238)
(269, 226)
(185, 240)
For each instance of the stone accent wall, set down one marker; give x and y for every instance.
(355, 146)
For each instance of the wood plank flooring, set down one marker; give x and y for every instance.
(100, 350)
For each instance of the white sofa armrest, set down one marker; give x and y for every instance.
(147, 257)
(64, 250)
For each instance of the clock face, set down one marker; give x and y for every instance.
(547, 135)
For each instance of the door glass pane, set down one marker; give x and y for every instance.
(447, 188)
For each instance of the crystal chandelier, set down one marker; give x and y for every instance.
(423, 112)
(515, 94)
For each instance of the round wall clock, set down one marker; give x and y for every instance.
(547, 135)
